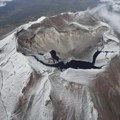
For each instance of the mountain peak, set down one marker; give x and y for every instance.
(62, 67)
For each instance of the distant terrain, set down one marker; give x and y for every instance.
(19, 12)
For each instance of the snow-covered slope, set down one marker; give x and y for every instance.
(30, 90)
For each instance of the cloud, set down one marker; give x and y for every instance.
(108, 11)
(111, 17)
(4, 2)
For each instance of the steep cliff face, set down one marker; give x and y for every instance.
(33, 91)
(63, 33)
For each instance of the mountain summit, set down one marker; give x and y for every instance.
(34, 87)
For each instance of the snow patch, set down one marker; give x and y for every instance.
(84, 77)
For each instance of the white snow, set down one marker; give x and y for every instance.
(26, 26)
(15, 72)
(80, 25)
(84, 77)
